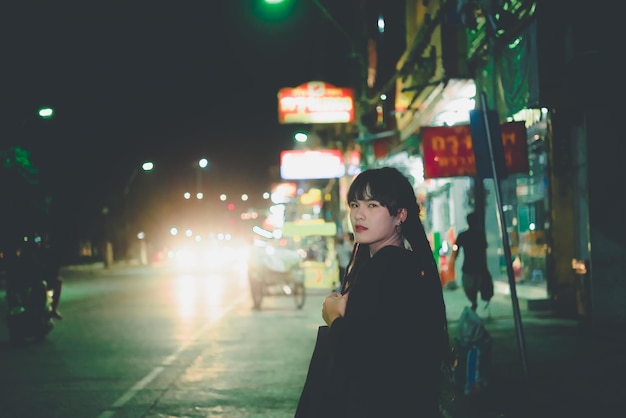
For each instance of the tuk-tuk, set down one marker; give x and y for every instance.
(303, 259)
(274, 270)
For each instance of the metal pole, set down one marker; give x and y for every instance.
(505, 241)
(130, 180)
(336, 24)
(126, 211)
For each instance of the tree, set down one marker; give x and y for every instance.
(24, 208)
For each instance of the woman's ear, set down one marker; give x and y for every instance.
(402, 214)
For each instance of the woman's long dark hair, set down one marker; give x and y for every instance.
(393, 190)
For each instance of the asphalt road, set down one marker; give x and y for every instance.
(133, 341)
(143, 342)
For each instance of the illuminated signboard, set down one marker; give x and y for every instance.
(448, 150)
(315, 102)
(307, 164)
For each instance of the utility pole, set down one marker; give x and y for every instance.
(361, 78)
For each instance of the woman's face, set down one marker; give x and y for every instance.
(373, 225)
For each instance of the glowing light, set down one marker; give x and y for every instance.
(301, 137)
(46, 112)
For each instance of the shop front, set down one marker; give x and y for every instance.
(447, 196)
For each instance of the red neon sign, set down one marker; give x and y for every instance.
(315, 102)
(448, 151)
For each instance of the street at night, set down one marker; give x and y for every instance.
(148, 342)
(145, 342)
(202, 176)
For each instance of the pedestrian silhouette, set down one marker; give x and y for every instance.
(343, 248)
(475, 273)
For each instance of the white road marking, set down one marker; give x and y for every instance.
(140, 385)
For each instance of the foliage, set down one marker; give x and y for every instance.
(16, 162)
(24, 207)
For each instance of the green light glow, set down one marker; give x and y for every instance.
(45, 112)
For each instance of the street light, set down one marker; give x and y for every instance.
(146, 166)
(301, 136)
(46, 112)
(202, 164)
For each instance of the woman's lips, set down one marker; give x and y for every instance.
(360, 228)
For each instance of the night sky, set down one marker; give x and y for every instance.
(168, 81)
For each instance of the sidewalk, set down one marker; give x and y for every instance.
(559, 369)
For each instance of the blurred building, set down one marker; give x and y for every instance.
(549, 67)
(545, 67)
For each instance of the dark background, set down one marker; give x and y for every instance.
(166, 81)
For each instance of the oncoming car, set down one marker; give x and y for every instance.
(206, 256)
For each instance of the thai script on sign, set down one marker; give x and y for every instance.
(448, 150)
(315, 102)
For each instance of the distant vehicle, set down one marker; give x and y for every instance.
(201, 256)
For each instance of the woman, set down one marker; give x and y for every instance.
(388, 324)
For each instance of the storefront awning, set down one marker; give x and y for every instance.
(438, 101)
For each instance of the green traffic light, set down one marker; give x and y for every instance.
(275, 10)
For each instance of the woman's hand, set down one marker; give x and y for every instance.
(334, 306)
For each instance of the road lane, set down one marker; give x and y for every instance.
(141, 342)
(143, 383)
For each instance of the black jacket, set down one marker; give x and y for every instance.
(387, 348)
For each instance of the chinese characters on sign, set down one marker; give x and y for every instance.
(448, 151)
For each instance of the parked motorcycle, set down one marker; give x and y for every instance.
(28, 316)
(28, 311)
